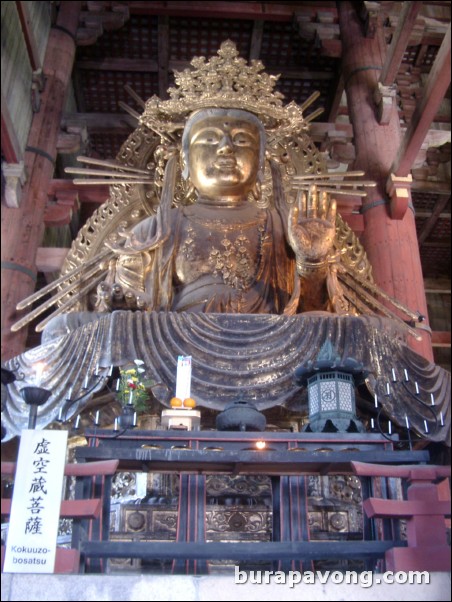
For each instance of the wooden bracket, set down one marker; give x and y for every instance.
(398, 189)
(384, 98)
(15, 177)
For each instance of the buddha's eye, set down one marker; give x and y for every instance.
(207, 137)
(243, 139)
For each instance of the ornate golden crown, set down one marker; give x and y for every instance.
(224, 81)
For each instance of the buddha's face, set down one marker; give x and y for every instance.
(223, 157)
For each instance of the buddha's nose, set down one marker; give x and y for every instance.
(225, 146)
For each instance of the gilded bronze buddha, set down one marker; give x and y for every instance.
(224, 253)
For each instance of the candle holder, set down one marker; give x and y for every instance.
(34, 397)
(128, 416)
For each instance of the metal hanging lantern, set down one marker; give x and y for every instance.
(331, 391)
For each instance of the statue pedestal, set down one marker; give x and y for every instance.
(187, 420)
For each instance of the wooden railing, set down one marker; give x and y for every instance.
(424, 548)
(427, 548)
(81, 511)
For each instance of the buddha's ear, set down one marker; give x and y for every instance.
(184, 166)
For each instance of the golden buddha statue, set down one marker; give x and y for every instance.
(224, 253)
(220, 240)
(220, 202)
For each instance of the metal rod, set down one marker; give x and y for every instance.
(42, 308)
(105, 163)
(351, 192)
(315, 114)
(80, 182)
(100, 172)
(314, 96)
(384, 310)
(129, 110)
(35, 296)
(376, 290)
(32, 416)
(345, 174)
(40, 327)
(135, 96)
(334, 182)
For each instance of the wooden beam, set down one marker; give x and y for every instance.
(442, 243)
(399, 42)
(441, 338)
(11, 149)
(29, 37)
(119, 64)
(58, 215)
(107, 20)
(427, 214)
(342, 132)
(243, 551)
(78, 89)
(117, 123)
(335, 105)
(163, 55)
(149, 66)
(271, 11)
(436, 87)
(434, 187)
(431, 222)
(332, 48)
(274, 463)
(86, 193)
(439, 286)
(381, 508)
(256, 40)
(304, 75)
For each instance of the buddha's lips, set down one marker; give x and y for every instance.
(229, 163)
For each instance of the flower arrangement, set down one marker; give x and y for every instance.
(132, 386)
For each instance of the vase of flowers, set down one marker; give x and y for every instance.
(132, 386)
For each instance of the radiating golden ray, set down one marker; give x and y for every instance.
(45, 306)
(135, 96)
(40, 327)
(110, 164)
(100, 172)
(341, 174)
(349, 192)
(313, 115)
(309, 101)
(129, 110)
(79, 182)
(367, 284)
(49, 287)
(351, 282)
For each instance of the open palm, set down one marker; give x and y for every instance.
(312, 226)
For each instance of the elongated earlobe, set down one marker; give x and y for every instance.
(189, 194)
(257, 191)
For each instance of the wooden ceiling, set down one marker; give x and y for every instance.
(139, 44)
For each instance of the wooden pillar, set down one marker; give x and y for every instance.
(191, 521)
(290, 517)
(22, 228)
(389, 233)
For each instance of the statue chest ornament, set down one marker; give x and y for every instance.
(231, 252)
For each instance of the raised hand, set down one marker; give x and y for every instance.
(311, 227)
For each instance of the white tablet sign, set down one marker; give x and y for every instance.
(35, 509)
(183, 377)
